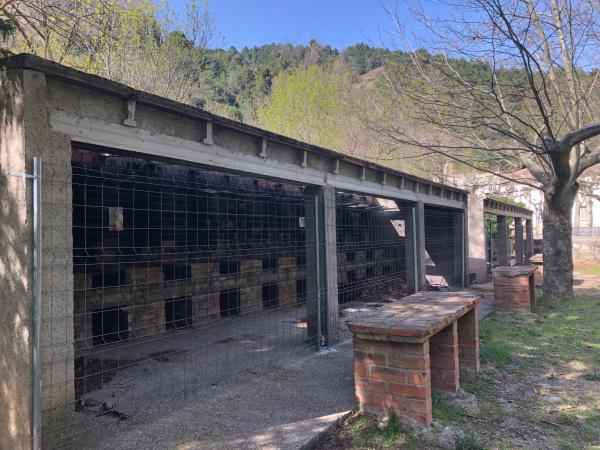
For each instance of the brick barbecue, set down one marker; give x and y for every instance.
(405, 348)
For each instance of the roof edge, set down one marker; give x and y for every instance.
(98, 83)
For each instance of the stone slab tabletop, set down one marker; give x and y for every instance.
(513, 271)
(414, 318)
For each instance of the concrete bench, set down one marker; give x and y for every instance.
(405, 348)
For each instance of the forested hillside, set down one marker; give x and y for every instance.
(240, 80)
(311, 92)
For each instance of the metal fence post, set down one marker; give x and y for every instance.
(318, 270)
(414, 241)
(37, 304)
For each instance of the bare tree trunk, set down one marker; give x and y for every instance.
(558, 248)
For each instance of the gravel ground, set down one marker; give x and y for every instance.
(279, 406)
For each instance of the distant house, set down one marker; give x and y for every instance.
(586, 211)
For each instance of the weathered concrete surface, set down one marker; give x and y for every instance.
(25, 134)
(15, 284)
(477, 246)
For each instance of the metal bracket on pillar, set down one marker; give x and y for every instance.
(402, 183)
(263, 149)
(363, 173)
(384, 178)
(130, 120)
(305, 159)
(336, 167)
(208, 140)
(429, 189)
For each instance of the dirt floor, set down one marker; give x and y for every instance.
(539, 387)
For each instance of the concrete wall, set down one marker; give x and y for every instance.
(25, 133)
(15, 278)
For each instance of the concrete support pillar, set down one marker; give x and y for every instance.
(528, 239)
(476, 238)
(420, 241)
(410, 250)
(503, 241)
(458, 251)
(26, 135)
(519, 243)
(330, 248)
(321, 266)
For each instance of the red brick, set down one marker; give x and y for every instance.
(370, 385)
(446, 387)
(421, 419)
(419, 406)
(408, 362)
(379, 359)
(450, 363)
(386, 402)
(361, 370)
(405, 390)
(388, 374)
(362, 397)
(417, 378)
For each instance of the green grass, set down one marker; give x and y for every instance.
(469, 442)
(364, 433)
(563, 333)
(563, 336)
(446, 412)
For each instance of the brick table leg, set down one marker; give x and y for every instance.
(392, 376)
(443, 351)
(468, 341)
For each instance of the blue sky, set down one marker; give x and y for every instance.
(339, 23)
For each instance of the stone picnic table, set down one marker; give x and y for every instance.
(405, 348)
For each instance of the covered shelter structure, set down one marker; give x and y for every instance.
(174, 247)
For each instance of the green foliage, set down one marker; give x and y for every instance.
(7, 28)
(508, 200)
(305, 104)
(469, 442)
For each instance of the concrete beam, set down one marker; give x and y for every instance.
(278, 164)
(321, 265)
(499, 208)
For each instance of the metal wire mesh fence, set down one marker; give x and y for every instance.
(372, 249)
(445, 248)
(163, 279)
(182, 277)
